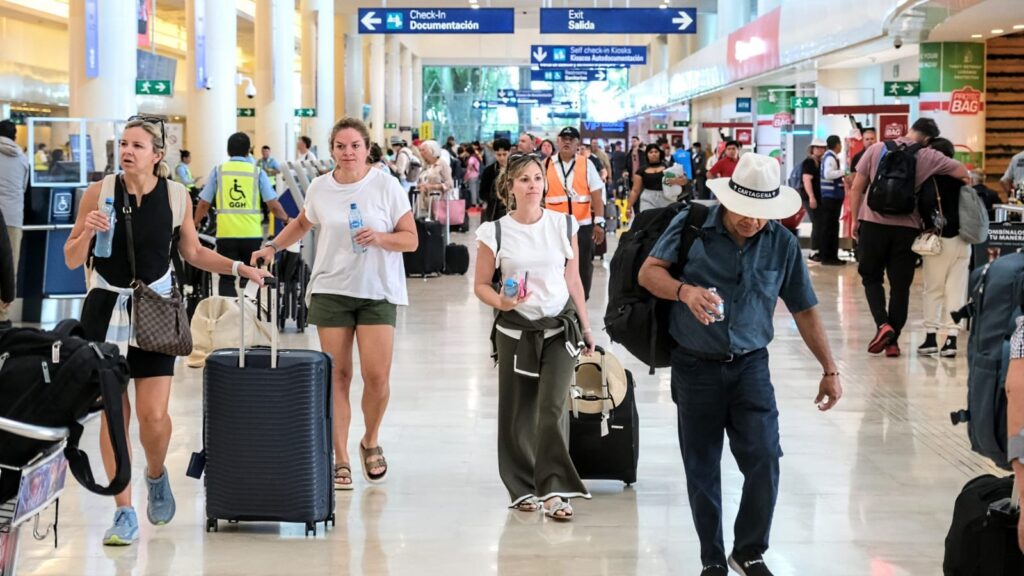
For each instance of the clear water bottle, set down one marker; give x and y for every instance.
(720, 309)
(511, 288)
(105, 240)
(355, 223)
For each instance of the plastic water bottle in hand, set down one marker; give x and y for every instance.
(355, 223)
(511, 288)
(105, 240)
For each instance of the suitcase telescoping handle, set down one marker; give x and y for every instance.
(271, 283)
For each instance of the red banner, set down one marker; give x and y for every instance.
(892, 126)
(744, 136)
(754, 48)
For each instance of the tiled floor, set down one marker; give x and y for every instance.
(867, 489)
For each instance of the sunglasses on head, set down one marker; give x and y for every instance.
(154, 120)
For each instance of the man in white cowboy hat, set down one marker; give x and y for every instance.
(720, 377)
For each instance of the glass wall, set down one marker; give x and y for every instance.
(464, 102)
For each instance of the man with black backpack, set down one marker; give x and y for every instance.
(888, 223)
(724, 269)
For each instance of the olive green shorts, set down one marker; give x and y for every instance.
(336, 311)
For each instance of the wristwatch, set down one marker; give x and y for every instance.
(1015, 447)
(272, 245)
(599, 221)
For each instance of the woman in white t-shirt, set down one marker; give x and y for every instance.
(536, 338)
(357, 283)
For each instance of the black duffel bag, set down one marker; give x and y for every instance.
(982, 539)
(54, 379)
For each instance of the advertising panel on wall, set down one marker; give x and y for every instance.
(953, 94)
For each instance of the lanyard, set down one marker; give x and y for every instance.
(565, 176)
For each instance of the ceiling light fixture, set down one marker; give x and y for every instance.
(1018, 27)
(997, 31)
(977, 35)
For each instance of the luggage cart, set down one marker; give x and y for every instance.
(40, 484)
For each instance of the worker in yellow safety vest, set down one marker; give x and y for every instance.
(42, 159)
(575, 187)
(234, 186)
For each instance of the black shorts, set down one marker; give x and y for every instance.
(96, 318)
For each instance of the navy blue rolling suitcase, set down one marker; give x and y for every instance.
(268, 435)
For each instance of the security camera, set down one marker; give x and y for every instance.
(897, 42)
(208, 86)
(250, 92)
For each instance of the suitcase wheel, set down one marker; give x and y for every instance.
(310, 527)
(211, 525)
(232, 521)
(331, 520)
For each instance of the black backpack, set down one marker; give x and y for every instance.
(635, 318)
(982, 538)
(53, 379)
(893, 190)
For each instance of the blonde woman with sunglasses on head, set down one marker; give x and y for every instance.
(158, 206)
(537, 335)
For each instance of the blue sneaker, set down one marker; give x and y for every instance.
(161, 502)
(125, 530)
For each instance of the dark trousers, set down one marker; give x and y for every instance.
(586, 242)
(828, 222)
(882, 251)
(699, 187)
(735, 398)
(812, 217)
(236, 249)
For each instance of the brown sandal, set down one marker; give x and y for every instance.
(342, 472)
(373, 458)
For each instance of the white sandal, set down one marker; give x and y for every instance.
(528, 505)
(562, 506)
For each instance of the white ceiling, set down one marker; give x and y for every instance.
(980, 19)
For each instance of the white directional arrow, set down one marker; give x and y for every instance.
(600, 75)
(683, 20)
(908, 88)
(501, 93)
(160, 87)
(370, 22)
(539, 54)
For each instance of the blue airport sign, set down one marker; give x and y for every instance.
(618, 21)
(744, 105)
(491, 104)
(527, 96)
(570, 75)
(436, 21)
(562, 56)
(565, 115)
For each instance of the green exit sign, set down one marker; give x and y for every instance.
(391, 126)
(661, 126)
(154, 87)
(305, 112)
(680, 123)
(246, 112)
(898, 89)
(803, 102)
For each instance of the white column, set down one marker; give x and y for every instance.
(318, 70)
(275, 71)
(377, 87)
(732, 15)
(393, 80)
(417, 91)
(407, 89)
(707, 29)
(766, 6)
(353, 69)
(110, 95)
(211, 110)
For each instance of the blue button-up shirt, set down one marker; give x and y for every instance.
(209, 193)
(750, 279)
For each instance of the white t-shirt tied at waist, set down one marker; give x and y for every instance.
(376, 274)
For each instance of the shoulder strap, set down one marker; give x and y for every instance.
(568, 228)
(107, 189)
(692, 230)
(176, 197)
(78, 461)
(128, 228)
(497, 238)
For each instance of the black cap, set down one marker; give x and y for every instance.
(926, 126)
(569, 132)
